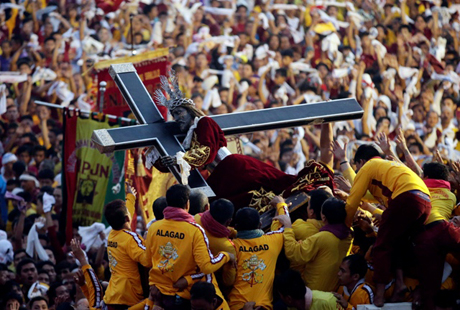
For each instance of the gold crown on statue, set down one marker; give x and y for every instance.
(170, 86)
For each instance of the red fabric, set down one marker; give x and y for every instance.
(70, 137)
(208, 133)
(432, 183)
(431, 248)
(108, 6)
(405, 215)
(212, 226)
(60, 255)
(177, 214)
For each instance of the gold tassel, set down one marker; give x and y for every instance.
(140, 166)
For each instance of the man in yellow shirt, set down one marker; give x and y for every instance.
(304, 229)
(125, 250)
(257, 254)
(322, 253)
(179, 248)
(408, 205)
(215, 223)
(354, 290)
(439, 236)
(296, 295)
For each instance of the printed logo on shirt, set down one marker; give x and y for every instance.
(168, 255)
(112, 261)
(252, 268)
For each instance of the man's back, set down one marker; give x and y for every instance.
(385, 180)
(221, 244)
(321, 256)
(179, 249)
(125, 249)
(324, 301)
(304, 229)
(256, 270)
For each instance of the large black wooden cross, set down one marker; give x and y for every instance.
(153, 130)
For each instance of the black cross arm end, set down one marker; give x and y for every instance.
(103, 141)
(121, 68)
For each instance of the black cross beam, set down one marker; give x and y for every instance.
(153, 130)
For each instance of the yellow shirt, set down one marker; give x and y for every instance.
(256, 268)
(384, 179)
(442, 204)
(125, 249)
(321, 255)
(324, 301)
(217, 245)
(304, 229)
(362, 294)
(179, 249)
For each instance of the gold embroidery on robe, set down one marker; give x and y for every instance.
(261, 199)
(198, 154)
(309, 178)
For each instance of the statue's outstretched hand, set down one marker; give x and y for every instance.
(168, 161)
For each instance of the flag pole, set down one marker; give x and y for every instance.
(56, 106)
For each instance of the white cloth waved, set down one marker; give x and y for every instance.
(33, 242)
(90, 235)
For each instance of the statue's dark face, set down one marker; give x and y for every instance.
(183, 118)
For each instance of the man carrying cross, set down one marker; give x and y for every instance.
(242, 179)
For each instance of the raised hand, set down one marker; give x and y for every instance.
(338, 151)
(384, 143)
(342, 183)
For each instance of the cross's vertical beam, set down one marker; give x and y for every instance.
(137, 96)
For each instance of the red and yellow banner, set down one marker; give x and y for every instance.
(91, 179)
(149, 65)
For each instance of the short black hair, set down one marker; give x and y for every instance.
(50, 38)
(363, 34)
(417, 145)
(222, 210)
(203, 290)
(24, 61)
(366, 152)
(323, 65)
(380, 120)
(115, 213)
(247, 219)
(436, 171)
(196, 95)
(39, 148)
(158, 206)
(148, 8)
(46, 174)
(63, 265)
(52, 291)
(287, 53)
(19, 167)
(282, 72)
(357, 265)
(405, 26)
(24, 149)
(177, 196)
(12, 296)
(41, 264)
(22, 263)
(290, 283)
(317, 198)
(334, 211)
(198, 201)
(37, 298)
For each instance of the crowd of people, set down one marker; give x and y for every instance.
(394, 174)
